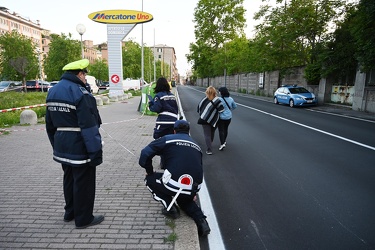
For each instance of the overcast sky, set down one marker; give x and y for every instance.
(172, 23)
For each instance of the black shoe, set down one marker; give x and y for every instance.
(97, 219)
(68, 218)
(173, 213)
(203, 227)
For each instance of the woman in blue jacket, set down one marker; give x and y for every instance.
(225, 116)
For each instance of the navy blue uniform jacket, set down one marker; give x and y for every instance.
(181, 153)
(72, 123)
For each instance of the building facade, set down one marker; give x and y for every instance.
(10, 20)
(166, 55)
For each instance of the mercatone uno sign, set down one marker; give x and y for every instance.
(120, 16)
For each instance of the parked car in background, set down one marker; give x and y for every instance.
(104, 85)
(91, 80)
(37, 85)
(294, 95)
(51, 84)
(10, 86)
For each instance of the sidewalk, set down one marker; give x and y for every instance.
(31, 196)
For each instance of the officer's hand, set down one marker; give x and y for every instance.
(96, 158)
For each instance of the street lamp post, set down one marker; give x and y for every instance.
(40, 67)
(225, 57)
(142, 57)
(81, 29)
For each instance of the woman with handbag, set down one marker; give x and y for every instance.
(209, 109)
(225, 116)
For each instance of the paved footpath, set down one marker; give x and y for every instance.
(31, 195)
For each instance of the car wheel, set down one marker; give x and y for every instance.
(291, 103)
(275, 100)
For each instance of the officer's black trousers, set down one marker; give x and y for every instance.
(79, 193)
(165, 196)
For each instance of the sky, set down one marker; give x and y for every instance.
(172, 22)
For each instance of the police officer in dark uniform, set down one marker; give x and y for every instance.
(182, 177)
(165, 104)
(72, 124)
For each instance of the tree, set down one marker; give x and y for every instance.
(99, 69)
(291, 32)
(216, 22)
(363, 31)
(19, 59)
(132, 61)
(62, 50)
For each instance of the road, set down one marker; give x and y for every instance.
(289, 178)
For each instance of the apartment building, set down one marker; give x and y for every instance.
(166, 54)
(10, 20)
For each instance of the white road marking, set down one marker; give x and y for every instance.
(309, 127)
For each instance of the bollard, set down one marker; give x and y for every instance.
(113, 98)
(105, 100)
(99, 101)
(28, 116)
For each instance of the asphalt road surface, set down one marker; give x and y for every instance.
(289, 178)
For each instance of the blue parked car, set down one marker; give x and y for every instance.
(294, 96)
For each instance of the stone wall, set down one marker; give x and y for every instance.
(362, 97)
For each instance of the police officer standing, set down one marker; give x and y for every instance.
(182, 177)
(72, 124)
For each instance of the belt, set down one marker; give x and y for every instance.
(69, 129)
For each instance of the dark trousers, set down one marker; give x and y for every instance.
(165, 196)
(79, 193)
(223, 130)
(209, 135)
(160, 131)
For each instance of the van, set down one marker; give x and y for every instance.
(91, 80)
(132, 84)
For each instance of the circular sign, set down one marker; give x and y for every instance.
(115, 79)
(185, 179)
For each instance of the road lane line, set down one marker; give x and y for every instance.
(346, 116)
(215, 241)
(309, 127)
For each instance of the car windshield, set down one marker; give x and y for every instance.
(298, 90)
(4, 84)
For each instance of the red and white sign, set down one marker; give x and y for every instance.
(115, 79)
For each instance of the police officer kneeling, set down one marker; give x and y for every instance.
(182, 176)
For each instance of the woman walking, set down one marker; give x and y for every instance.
(209, 108)
(225, 116)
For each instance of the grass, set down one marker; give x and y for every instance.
(11, 99)
(173, 236)
(19, 99)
